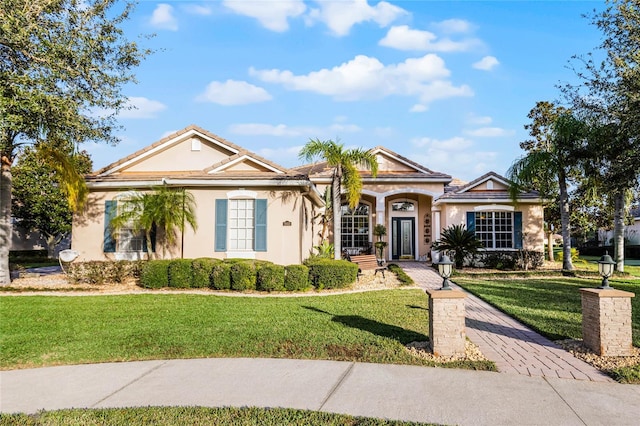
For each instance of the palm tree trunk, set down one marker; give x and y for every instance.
(550, 245)
(337, 214)
(565, 222)
(5, 222)
(618, 230)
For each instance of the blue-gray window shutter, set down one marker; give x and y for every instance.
(261, 225)
(221, 225)
(110, 211)
(517, 230)
(471, 221)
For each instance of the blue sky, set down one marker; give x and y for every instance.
(446, 84)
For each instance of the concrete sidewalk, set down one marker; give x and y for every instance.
(423, 394)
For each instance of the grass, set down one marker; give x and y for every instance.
(40, 331)
(552, 306)
(170, 416)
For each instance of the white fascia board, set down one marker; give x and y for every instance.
(170, 142)
(197, 182)
(389, 180)
(486, 201)
(242, 158)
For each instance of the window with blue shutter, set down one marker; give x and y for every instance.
(110, 211)
(471, 221)
(517, 230)
(221, 225)
(261, 225)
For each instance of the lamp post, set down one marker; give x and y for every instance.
(445, 267)
(605, 269)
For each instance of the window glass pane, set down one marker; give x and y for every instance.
(355, 226)
(241, 226)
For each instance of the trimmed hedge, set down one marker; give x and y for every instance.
(400, 274)
(243, 276)
(155, 274)
(100, 272)
(296, 277)
(180, 273)
(511, 260)
(329, 274)
(220, 278)
(202, 268)
(270, 277)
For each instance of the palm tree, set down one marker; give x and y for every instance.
(461, 241)
(168, 209)
(345, 174)
(552, 164)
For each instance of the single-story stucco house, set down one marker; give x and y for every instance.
(250, 207)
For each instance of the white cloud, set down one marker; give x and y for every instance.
(404, 38)
(233, 92)
(139, 107)
(196, 9)
(457, 153)
(282, 130)
(451, 26)
(162, 17)
(489, 132)
(418, 108)
(365, 77)
(486, 64)
(340, 16)
(474, 119)
(273, 15)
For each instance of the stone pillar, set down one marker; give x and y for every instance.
(446, 322)
(606, 321)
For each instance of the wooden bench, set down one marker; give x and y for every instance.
(368, 262)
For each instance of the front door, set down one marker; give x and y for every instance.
(402, 232)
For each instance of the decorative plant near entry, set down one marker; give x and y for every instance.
(459, 240)
(380, 231)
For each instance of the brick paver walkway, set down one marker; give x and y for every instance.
(514, 347)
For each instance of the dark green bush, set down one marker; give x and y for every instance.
(243, 276)
(511, 260)
(400, 274)
(220, 278)
(296, 277)
(202, 268)
(180, 273)
(155, 274)
(101, 272)
(326, 273)
(270, 277)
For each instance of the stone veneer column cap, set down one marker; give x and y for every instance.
(607, 292)
(446, 294)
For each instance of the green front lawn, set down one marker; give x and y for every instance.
(169, 416)
(552, 306)
(367, 327)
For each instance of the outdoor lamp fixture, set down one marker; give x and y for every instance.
(445, 267)
(605, 269)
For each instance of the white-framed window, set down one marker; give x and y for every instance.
(241, 224)
(495, 229)
(355, 226)
(128, 239)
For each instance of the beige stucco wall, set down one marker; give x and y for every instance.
(285, 244)
(180, 157)
(532, 220)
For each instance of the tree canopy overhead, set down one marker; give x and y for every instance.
(63, 66)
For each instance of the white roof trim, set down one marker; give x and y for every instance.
(396, 180)
(177, 138)
(486, 201)
(199, 182)
(241, 159)
(490, 177)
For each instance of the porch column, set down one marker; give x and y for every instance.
(380, 219)
(436, 232)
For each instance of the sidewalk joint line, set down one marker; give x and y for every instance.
(146, 373)
(564, 400)
(337, 385)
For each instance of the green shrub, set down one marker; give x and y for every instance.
(155, 274)
(202, 271)
(220, 278)
(296, 277)
(101, 272)
(400, 274)
(326, 273)
(180, 273)
(243, 276)
(575, 256)
(270, 277)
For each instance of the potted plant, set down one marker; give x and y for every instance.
(380, 231)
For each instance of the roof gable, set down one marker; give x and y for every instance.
(192, 149)
(487, 182)
(490, 186)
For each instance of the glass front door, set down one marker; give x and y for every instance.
(402, 246)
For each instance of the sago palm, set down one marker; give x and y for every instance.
(459, 240)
